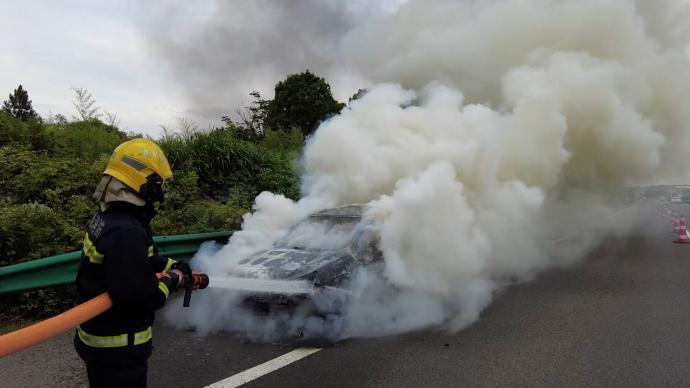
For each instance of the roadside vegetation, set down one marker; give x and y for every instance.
(49, 167)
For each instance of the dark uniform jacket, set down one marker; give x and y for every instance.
(119, 257)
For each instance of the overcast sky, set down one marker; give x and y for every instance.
(151, 62)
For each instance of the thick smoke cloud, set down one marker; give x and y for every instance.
(496, 144)
(220, 51)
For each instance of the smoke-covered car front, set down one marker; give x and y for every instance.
(308, 269)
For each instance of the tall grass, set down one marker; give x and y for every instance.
(227, 167)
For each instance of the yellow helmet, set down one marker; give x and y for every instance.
(141, 165)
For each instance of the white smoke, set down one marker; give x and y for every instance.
(273, 216)
(496, 145)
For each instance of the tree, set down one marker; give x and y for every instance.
(111, 119)
(57, 119)
(301, 101)
(84, 104)
(19, 105)
(250, 125)
(358, 94)
(186, 128)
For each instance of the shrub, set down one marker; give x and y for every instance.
(283, 141)
(86, 139)
(30, 176)
(12, 130)
(32, 230)
(197, 217)
(30, 133)
(38, 303)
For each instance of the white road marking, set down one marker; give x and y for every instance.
(264, 369)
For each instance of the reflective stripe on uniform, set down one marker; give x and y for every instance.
(150, 250)
(90, 251)
(164, 289)
(113, 341)
(169, 264)
(143, 337)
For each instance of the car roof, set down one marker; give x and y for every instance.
(346, 211)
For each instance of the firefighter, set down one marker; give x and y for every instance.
(119, 257)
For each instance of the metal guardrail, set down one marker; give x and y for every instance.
(62, 269)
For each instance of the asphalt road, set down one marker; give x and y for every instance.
(619, 319)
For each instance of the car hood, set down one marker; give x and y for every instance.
(287, 264)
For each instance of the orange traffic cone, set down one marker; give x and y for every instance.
(682, 233)
(676, 226)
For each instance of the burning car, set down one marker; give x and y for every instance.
(315, 258)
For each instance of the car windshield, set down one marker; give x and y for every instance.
(321, 232)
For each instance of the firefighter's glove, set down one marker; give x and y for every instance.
(199, 280)
(182, 267)
(176, 279)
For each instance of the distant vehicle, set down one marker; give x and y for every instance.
(676, 199)
(685, 198)
(318, 255)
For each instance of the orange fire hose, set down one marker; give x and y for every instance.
(45, 330)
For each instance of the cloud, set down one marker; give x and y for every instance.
(220, 51)
(81, 44)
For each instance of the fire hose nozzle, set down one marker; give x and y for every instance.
(199, 280)
(192, 281)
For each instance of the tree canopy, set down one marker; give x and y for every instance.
(301, 101)
(18, 105)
